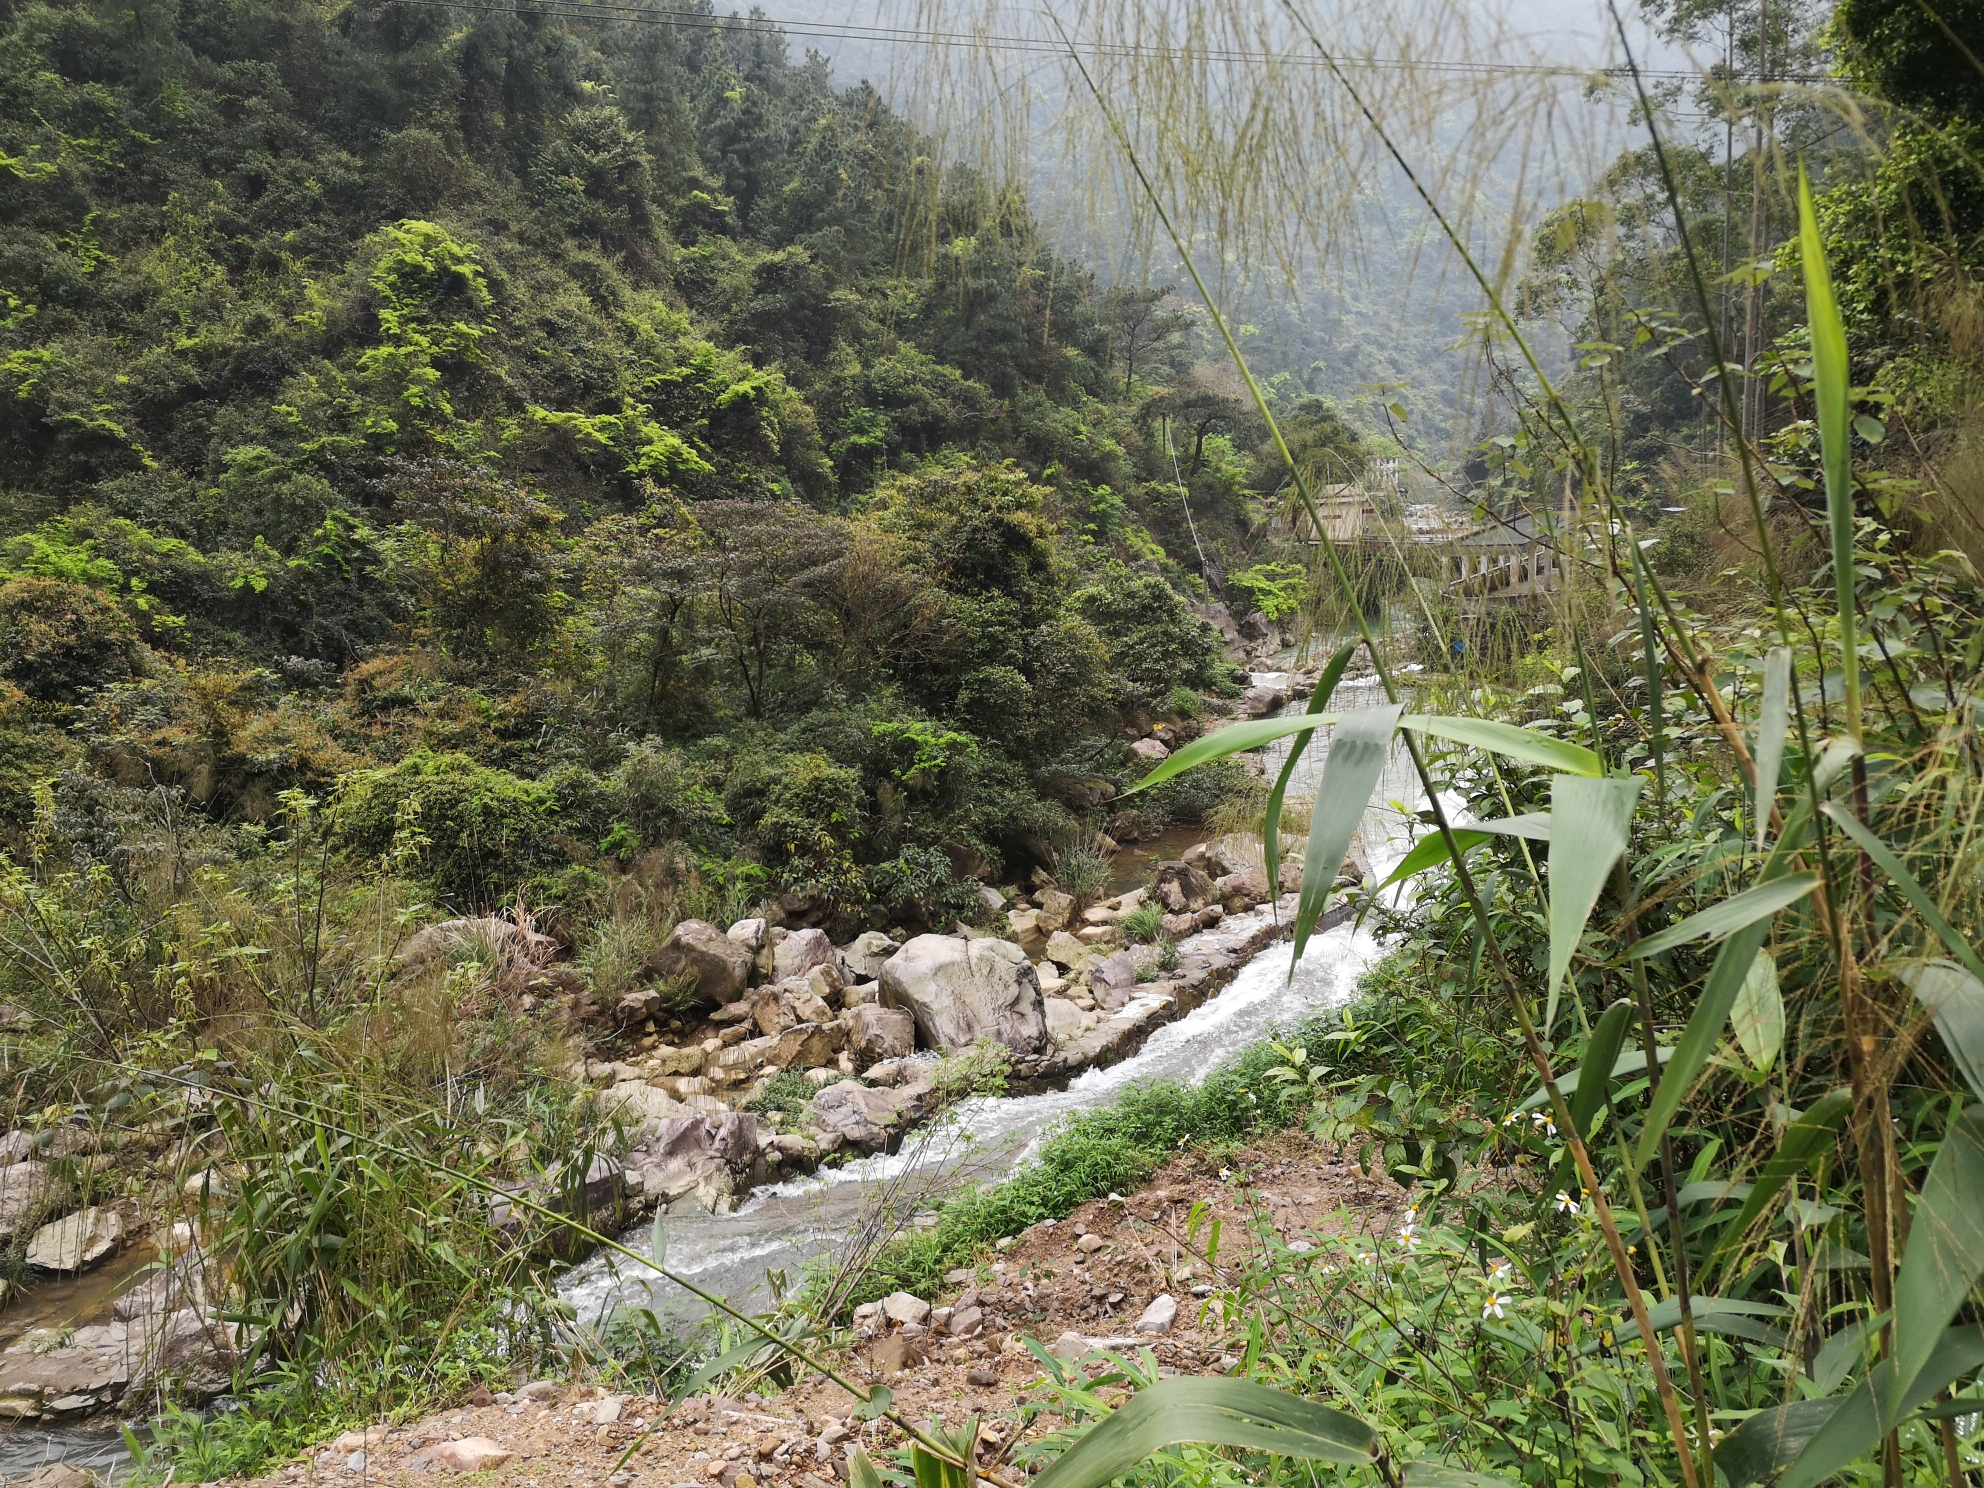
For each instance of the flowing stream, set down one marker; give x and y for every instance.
(780, 1229)
(783, 1227)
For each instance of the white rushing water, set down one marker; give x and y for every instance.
(782, 1228)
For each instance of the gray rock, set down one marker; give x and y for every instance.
(1113, 980)
(718, 966)
(862, 958)
(750, 934)
(1152, 750)
(1183, 889)
(863, 1116)
(637, 1006)
(16, 1146)
(905, 1307)
(24, 1187)
(77, 1242)
(1159, 1316)
(861, 994)
(876, 1033)
(1056, 910)
(800, 952)
(1064, 1019)
(808, 1045)
(637, 1103)
(960, 992)
(1065, 951)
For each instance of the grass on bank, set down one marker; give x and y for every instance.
(1367, 1049)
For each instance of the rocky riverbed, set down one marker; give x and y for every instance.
(1118, 1273)
(1059, 993)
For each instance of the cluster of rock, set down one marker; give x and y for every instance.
(1058, 988)
(164, 1336)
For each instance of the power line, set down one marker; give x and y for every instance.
(617, 10)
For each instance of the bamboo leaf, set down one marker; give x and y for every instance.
(658, 1243)
(1220, 1412)
(1772, 720)
(1271, 818)
(1483, 733)
(1589, 820)
(1600, 1054)
(1770, 1440)
(1630, 1062)
(1698, 1039)
(1880, 1403)
(1350, 773)
(1439, 1475)
(1235, 738)
(1912, 891)
(1955, 999)
(1945, 1254)
(1805, 1137)
(1729, 915)
(1832, 399)
(1505, 738)
(1430, 851)
(1757, 1019)
(1731, 1316)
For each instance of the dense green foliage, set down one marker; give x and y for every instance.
(597, 437)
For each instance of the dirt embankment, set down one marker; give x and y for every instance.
(1085, 1279)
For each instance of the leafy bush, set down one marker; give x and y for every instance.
(787, 1093)
(1275, 589)
(485, 831)
(919, 885)
(1154, 644)
(59, 639)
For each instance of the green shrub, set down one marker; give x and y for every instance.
(486, 831)
(787, 1093)
(60, 640)
(918, 884)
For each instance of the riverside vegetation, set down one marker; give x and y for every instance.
(517, 523)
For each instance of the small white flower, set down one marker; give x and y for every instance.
(1365, 1257)
(1565, 1203)
(1494, 1305)
(1500, 1274)
(1512, 1118)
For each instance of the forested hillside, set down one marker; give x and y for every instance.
(600, 435)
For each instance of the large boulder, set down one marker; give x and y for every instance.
(1066, 952)
(694, 1155)
(961, 992)
(864, 1116)
(876, 1033)
(808, 1046)
(862, 958)
(799, 952)
(1056, 910)
(719, 967)
(1027, 932)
